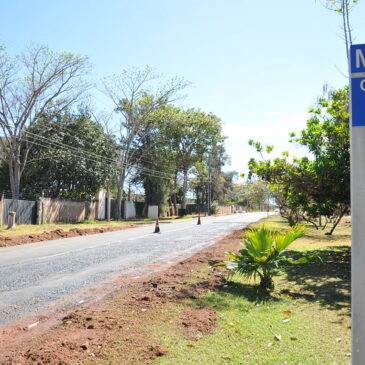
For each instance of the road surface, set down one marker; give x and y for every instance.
(35, 275)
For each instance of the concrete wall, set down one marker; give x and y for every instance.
(153, 211)
(225, 209)
(59, 210)
(56, 210)
(100, 212)
(129, 210)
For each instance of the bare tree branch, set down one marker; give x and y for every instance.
(32, 83)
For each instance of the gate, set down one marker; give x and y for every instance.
(26, 211)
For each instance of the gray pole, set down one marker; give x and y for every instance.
(209, 186)
(357, 131)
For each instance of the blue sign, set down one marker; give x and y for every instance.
(357, 69)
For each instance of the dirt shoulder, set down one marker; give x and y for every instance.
(118, 328)
(47, 232)
(13, 240)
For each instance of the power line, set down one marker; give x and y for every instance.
(34, 139)
(119, 145)
(79, 150)
(48, 143)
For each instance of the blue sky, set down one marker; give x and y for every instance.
(258, 65)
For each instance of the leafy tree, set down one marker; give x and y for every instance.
(327, 137)
(320, 185)
(72, 159)
(196, 134)
(257, 195)
(31, 84)
(134, 102)
(157, 162)
(221, 185)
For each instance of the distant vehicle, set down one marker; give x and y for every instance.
(276, 210)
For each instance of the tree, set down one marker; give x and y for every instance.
(257, 195)
(318, 186)
(221, 183)
(36, 82)
(327, 137)
(134, 102)
(196, 134)
(343, 7)
(157, 162)
(72, 159)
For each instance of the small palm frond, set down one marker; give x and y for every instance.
(283, 240)
(259, 241)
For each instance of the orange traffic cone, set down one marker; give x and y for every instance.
(199, 222)
(157, 227)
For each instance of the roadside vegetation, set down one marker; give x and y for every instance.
(194, 312)
(305, 320)
(202, 318)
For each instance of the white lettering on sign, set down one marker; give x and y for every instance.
(360, 58)
(362, 85)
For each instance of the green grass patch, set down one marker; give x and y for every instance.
(305, 320)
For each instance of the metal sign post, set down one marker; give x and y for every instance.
(357, 130)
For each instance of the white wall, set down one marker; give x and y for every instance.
(153, 211)
(129, 210)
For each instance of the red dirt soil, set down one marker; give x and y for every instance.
(57, 234)
(119, 320)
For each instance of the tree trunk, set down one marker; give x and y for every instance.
(266, 282)
(14, 173)
(335, 223)
(185, 189)
(175, 204)
(120, 193)
(171, 207)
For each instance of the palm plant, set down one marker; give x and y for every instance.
(263, 249)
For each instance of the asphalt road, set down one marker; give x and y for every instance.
(33, 276)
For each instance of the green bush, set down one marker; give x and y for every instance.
(214, 207)
(263, 250)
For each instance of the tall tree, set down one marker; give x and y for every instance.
(157, 162)
(327, 137)
(37, 81)
(72, 159)
(196, 134)
(343, 7)
(134, 101)
(221, 183)
(320, 185)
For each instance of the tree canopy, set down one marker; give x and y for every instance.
(318, 185)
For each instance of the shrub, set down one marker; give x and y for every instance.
(214, 207)
(263, 250)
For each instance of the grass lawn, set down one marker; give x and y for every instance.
(305, 321)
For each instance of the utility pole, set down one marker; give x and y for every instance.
(209, 185)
